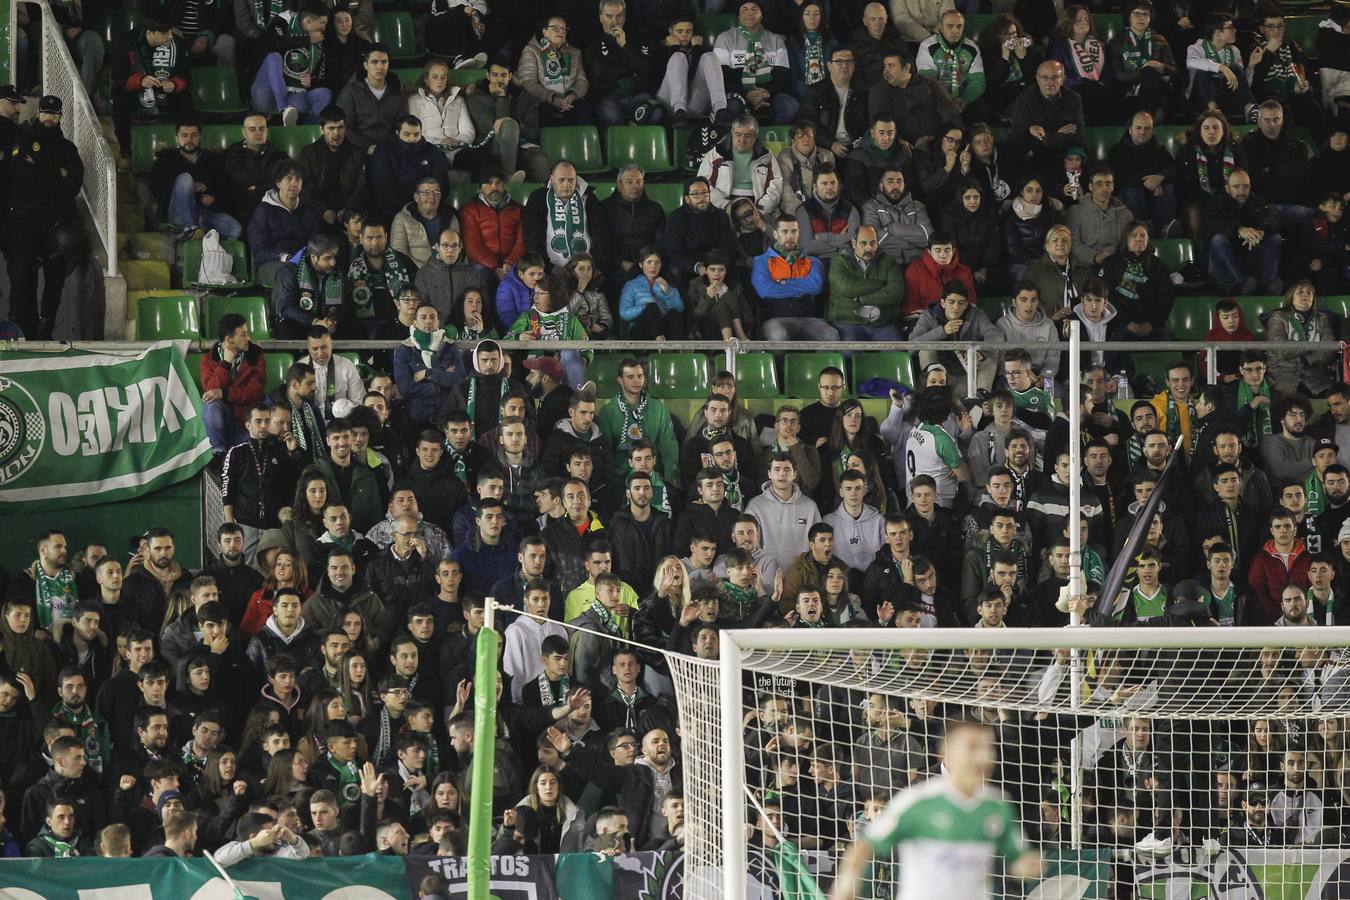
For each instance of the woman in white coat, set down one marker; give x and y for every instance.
(445, 116)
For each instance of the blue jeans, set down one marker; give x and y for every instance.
(617, 109)
(1230, 261)
(1145, 206)
(848, 331)
(221, 426)
(186, 212)
(1293, 216)
(269, 92)
(805, 328)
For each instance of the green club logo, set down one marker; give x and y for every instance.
(23, 431)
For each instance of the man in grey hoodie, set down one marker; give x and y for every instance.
(1026, 323)
(901, 220)
(448, 274)
(859, 529)
(954, 318)
(784, 513)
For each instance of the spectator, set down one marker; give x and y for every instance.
(619, 63)
(311, 291)
(901, 220)
(344, 49)
(1281, 562)
(927, 277)
(1047, 118)
(334, 169)
(800, 161)
(1204, 165)
(1280, 164)
(1057, 276)
(563, 218)
(289, 79)
(972, 221)
(232, 382)
(717, 307)
(953, 60)
(500, 108)
(1299, 321)
(376, 276)
(1243, 239)
(1141, 66)
(634, 415)
(1098, 221)
(1009, 56)
(552, 72)
(150, 74)
(781, 511)
(426, 366)
(1322, 243)
(1025, 323)
(787, 282)
(280, 225)
(866, 292)
(250, 165)
(869, 159)
(493, 233)
(693, 230)
(372, 108)
(871, 42)
(449, 275)
(187, 181)
(548, 319)
(649, 304)
(837, 107)
(954, 318)
(1027, 221)
(444, 114)
(740, 166)
(755, 69)
(916, 103)
(418, 226)
(1084, 58)
(828, 222)
(1286, 454)
(399, 163)
(810, 44)
(634, 221)
(1145, 172)
(1218, 80)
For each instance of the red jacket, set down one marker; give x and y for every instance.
(924, 279)
(493, 237)
(243, 385)
(1269, 575)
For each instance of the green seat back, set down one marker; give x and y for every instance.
(1302, 30)
(218, 137)
(977, 22)
(407, 77)
(276, 363)
(713, 25)
(678, 375)
(1337, 305)
(117, 22)
(801, 372)
(192, 260)
(134, 298)
(891, 365)
(670, 196)
(294, 138)
(1097, 141)
(167, 318)
(1155, 363)
(642, 145)
(1253, 308)
(463, 192)
(146, 141)
(1171, 136)
(1191, 317)
(215, 90)
(194, 365)
(520, 191)
(578, 144)
(757, 377)
(1174, 252)
(395, 30)
(604, 370)
(253, 309)
(601, 190)
(993, 307)
(679, 140)
(1107, 25)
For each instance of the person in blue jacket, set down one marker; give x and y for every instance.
(399, 163)
(281, 225)
(788, 280)
(515, 295)
(652, 307)
(426, 366)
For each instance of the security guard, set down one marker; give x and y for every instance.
(42, 227)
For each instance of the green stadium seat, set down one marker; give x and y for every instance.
(1191, 317)
(395, 30)
(601, 190)
(215, 91)
(352, 356)
(1241, 131)
(147, 245)
(118, 22)
(134, 298)
(462, 193)
(146, 141)
(801, 372)
(678, 375)
(520, 191)
(578, 144)
(891, 365)
(1302, 30)
(1171, 136)
(713, 25)
(218, 137)
(1154, 364)
(757, 377)
(1107, 25)
(1339, 306)
(167, 318)
(993, 307)
(276, 362)
(254, 309)
(192, 261)
(1174, 252)
(293, 138)
(1253, 308)
(407, 77)
(679, 139)
(1098, 140)
(465, 77)
(193, 361)
(604, 370)
(670, 196)
(643, 145)
(976, 22)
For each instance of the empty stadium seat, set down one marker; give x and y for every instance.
(1253, 308)
(1191, 317)
(253, 309)
(167, 318)
(801, 371)
(993, 307)
(604, 370)
(1107, 25)
(134, 298)
(276, 363)
(712, 25)
(192, 261)
(294, 138)
(1339, 306)
(407, 77)
(146, 141)
(1155, 363)
(520, 191)
(642, 145)
(578, 144)
(1098, 140)
(670, 196)
(757, 377)
(463, 192)
(1302, 30)
(891, 365)
(215, 91)
(219, 137)
(678, 375)
(679, 140)
(1174, 252)
(396, 31)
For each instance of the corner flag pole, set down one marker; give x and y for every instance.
(484, 735)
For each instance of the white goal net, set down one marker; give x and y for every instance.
(1150, 763)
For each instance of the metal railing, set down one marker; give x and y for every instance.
(81, 124)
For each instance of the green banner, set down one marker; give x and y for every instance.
(81, 428)
(371, 877)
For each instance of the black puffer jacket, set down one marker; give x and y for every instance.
(633, 225)
(1130, 162)
(979, 241)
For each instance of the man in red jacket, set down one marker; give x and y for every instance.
(1281, 562)
(492, 227)
(233, 376)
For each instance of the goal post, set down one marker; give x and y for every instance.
(1118, 738)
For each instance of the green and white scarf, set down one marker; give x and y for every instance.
(813, 58)
(61, 849)
(1316, 494)
(264, 11)
(660, 496)
(472, 402)
(1281, 73)
(744, 599)
(756, 70)
(54, 596)
(1173, 424)
(1094, 569)
(731, 484)
(608, 621)
(1304, 327)
(1228, 56)
(547, 696)
(952, 65)
(392, 277)
(633, 417)
(819, 623)
(313, 287)
(307, 435)
(1202, 167)
(1137, 49)
(1261, 424)
(458, 464)
(159, 62)
(567, 225)
(557, 65)
(429, 342)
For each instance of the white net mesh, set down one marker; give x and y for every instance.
(1145, 771)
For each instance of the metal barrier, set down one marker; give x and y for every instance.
(81, 124)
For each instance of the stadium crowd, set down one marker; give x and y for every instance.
(309, 691)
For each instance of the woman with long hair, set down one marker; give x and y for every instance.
(1010, 60)
(1299, 321)
(445, 116)
(1027, 219)
(287, 774)
(472, 318)
(354, 623)
(1083, 54)
(306, 526)
(215, 795)
(848, 435)
(447, 795)
(660, 610)
(809, 45)
(556, 813)
(324, 708)
(288, 571)
(354, 680)
(1204, 163)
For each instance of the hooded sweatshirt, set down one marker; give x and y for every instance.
(856, 541)
(1039, 330)
(783, 523)
(1217, 334)
(925, 279)
(1095, 332)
